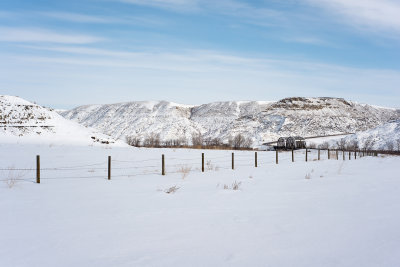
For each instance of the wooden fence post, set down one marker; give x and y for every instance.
(337, 154)
(306, 154)
(162, 165)
(349, 155)
(38, 169)
(319, 154)
(329, 154)
(276, 157)
(202, 162)
(233, 161)
(109, 167)
(355, 154)
(343, 155)
(255, 159)
(292, 155)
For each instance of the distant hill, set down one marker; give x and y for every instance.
(262, 121)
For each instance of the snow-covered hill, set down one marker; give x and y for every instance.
(383, 137)
(24, 122)
(260, 120)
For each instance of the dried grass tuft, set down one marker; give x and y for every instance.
(184, 171)
(171, 190)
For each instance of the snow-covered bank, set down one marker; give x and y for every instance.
(27, 123)
(345, 214)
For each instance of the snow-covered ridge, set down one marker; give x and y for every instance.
(383, 137)
(24, 122)
(262, 121)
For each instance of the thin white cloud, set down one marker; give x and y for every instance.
(179, 75)
(76, 17)
(203, 61)
(375, 15)
(34, 35)
(177, 5)
(307, 40)
(98, 19)
(252, 14)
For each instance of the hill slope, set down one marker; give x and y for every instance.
(262, 121)
(383, 137)
(24, 122)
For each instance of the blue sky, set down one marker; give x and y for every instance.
(69, 53)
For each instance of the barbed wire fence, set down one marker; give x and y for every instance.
(117, 168)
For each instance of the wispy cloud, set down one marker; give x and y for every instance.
(180, 74)
(177, 5)
(206, 61)
(375, 15)
(76, 17)
(100, 19)
(307, 40)
(35, 35)
(258, 15)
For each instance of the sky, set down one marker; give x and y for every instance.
(69, 53)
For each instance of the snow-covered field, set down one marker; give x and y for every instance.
(315, 213)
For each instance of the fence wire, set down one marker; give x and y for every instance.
(173, 165)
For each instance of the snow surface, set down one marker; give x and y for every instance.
(24, 122)
(261, 121)
(346, 214)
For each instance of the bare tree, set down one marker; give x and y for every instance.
(353, 144)
(197, 139)
(312, 145)
(216, 141)
(152, 141)
(341, 144)
(248, 143)
(208, 141)
(324, 145)
(168, 143)
(157, 140)
(239, 141)
(369, 143)
(398, 144)
(133, 141)
(179, 142)
(390, 145)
